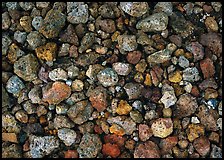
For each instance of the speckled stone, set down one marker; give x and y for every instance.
(107, 77)
(135, 9)
(14, 85)
(162, 127)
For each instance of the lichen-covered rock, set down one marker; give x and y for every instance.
(153, 23)
(162, 127)
(159, 57)
(93, 71)
(135, 9)
(27, 67)
(14, 53)
(61, 121)
(89, 146)
(53, 23)
(26, 23)
(47, 52)
(147, 149)
(6, 41)
(11, 150)
(107, 77)
(86, 42)
(166, 7)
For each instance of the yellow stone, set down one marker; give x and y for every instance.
(188, 55)
(126, 21)
(148, 80)
(194, 131)
(211, 24)
(179, 52)
(114, 36)
(167, 112)
(9, 137)
(175, 77)
(116, 129)
(139, 77)
(178, 89)
(47, 52)
(123, 108)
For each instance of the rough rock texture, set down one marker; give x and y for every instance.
(162, 127)
(135, 9)
(107, 77)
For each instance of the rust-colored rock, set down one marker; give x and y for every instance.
(71, 154)
(123, 108)
(116, 129)
(134, 57)
(144, 132)
(207, 67)
(202, 145)
(194, 131)
(57, 93)
(114, 139)
(167, 144)
(9, 137)
(111, 150)
(47, 52)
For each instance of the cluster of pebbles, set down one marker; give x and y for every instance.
(111, 79)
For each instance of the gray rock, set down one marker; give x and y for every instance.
(61, 109)
(27, 67)
(58, 74)
(14, 85)
(216, 152)
(217, 6)
(6, 22)
(166, 7)
(107, 77)
(42, 4)
(122, 68)
(80, 112)
(68, 136)
(183, 62)
(26, 5)
(89, 146)
(10, 124)
(135, 9)
(106, 11)
(42, 146)
(93, 70)
(35, 39)
(127, 43)
(75, 97)
(153, 23)
(29, 107)
(197, 49)
(168, 98)
(20, 37)
(191, 74)
(61, 121)
(5, 97)
(133, 90)
(77, 12)
(37, 22)
(6, 41)
(12, 5)
(73, 71)
(159, 57)
(35, 94)
(86, 42)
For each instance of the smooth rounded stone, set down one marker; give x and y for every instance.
(12, 5)
(35, 39)
(153, 23)
(183, 62)
(134, 57)
(98, 98)
(68, 136)
(207, 68)
(14, 85)
(58, 74)
(77, 12)
(21, 116)
(29, 107)
(9, 123)
(5, 97)
(207, 118)
(191, 74)
(77, 85)
(211, 24)
(126, 123)
(61, 121)
(86, 42)
(127, 43)
(167, 144)
(37, 22)
(159, 57)
(89, 146)
(107, 77)
(169, 98)
(14, 53)
(136, 116)
(11, 151)
(6, 22)
(26, 5)
(185, 106)
(69, 36)
(42, 4)
(217, 6)
(162, 127)
(106, 11)
(26, 23)
(202, 145)
(27, 67)
(42, 146)
(20, 37)
(52, 24)
(122, 68)
(6, 41)
(147, 149)
(35, 94)
(216, 152)
(197, 49)
(80, 112)
(145, 132)
(213, 41)
(133, 90)
(58, 92)
(73, 71)
(166, 7)
(135, 9)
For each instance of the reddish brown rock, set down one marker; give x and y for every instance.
(134, 57)
(98, 98)
(194, 91)
(144, 132)
(147, 150)
(207, 67)
(167, 144)
(106, 25)
(70, 36)
(98, 129)
(71, 154)
(156, 95)
(111, 150)
(156, 74)
(114, 139)
(57, 93)
(202, 145)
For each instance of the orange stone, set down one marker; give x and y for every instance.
(148, 80)
(71, 154)
(111, 150)
(57, 93)
(9, 137)
(123, 108)
(116, 129)
(114, 139)
(47, 52)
